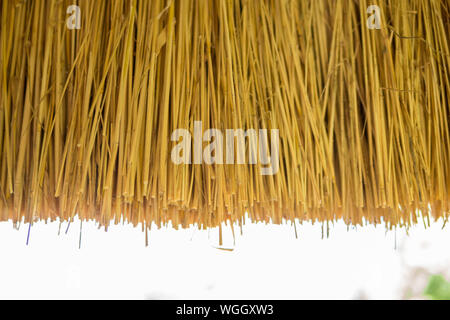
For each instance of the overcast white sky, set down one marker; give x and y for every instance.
(267, 262)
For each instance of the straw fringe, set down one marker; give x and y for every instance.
(86, 115)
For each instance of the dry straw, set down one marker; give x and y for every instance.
(86, 115)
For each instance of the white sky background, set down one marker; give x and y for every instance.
(268, 262)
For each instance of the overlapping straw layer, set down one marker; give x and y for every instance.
(86, 115)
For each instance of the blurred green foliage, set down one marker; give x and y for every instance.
(438, 288)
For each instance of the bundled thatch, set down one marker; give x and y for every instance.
(88, 109)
